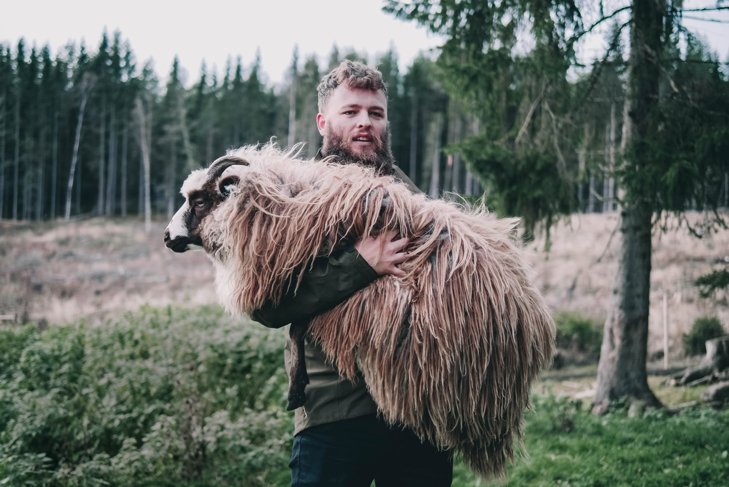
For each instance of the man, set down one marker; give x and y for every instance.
(339, 440)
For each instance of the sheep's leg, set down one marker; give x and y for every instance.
(298, 378)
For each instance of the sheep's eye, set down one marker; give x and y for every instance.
(199, 203)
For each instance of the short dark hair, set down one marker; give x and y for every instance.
(352, 73)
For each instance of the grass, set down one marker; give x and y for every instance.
(193, 398)
(566, 445)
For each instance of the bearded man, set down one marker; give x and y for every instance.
(339, 440)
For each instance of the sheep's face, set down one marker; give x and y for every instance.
(204, 190)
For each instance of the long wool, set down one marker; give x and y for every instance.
(450, 349)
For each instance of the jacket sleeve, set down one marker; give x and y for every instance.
(327, 283)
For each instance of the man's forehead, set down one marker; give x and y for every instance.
(343, 96)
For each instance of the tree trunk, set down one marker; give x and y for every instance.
(3, 124)
(622, 369)
(102, 157)
(144, 143)
(16, 157)
(413, 162)
(434, 139)
(74, 157)
(110, 204)
(609, 188)
(54, 166)
(124, 160)
(291, 136)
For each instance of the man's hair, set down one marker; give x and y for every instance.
(353, 74)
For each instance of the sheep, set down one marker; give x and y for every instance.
(449, 350)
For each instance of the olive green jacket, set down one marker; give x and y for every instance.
(330, 281)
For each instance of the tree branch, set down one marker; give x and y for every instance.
(579, 35)
(595, 74)
(702, 19)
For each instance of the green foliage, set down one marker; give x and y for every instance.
(525, 183)
(566, 445)
(158, 397)
(712, 282)
(704, 328)
(578, 333)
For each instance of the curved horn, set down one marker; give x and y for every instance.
(222, 163)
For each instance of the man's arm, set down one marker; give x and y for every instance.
(333, 279)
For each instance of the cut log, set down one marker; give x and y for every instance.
(718, 393)
(714, 364)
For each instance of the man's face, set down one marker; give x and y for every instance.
(354, 123)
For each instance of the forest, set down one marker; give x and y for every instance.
(506, 113)
(77, 126)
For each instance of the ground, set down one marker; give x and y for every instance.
(61, 271)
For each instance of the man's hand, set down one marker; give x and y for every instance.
(383, 253)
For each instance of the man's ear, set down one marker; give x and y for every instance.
(321, 123)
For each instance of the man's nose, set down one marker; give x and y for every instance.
(363, 120)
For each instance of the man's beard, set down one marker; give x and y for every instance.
(381, 159)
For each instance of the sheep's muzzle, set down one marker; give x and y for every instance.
(181, 243)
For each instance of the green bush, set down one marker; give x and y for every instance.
(159, 397)
(704, 328)
(577, 333)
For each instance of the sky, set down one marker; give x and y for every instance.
(215, 30)
(218, 30)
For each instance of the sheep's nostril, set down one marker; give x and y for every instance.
(167, 236)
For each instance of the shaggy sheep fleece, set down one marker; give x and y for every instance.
(449, 350)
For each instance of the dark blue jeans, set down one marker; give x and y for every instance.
(355, 452)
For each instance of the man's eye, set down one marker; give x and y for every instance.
(349, 112)
(376, 114)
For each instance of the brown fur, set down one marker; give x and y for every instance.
(449, 350)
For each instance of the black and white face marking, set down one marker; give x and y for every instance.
(203, 193)
(181, 233)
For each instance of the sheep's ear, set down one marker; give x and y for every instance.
(227, 185)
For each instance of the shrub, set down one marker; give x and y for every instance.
(158, 397)
(578, 334)
(703, 328)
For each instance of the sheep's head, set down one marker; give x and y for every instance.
(204, 190)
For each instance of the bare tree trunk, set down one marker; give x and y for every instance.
(413, 166)
(622, 369)
(74, 157)
(102, 162)
(185, 136)
(40, 179)
(170, 173)
(144, 143)
(54, 166)
(110, 206)
(434, 138)
(124, 167)
(582, 168)
(16, 158)
(291, 136)
(470, 183)
(609, 188)
(3, 125)
(27, 187)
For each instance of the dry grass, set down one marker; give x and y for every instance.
(60, 272)
(577, 274)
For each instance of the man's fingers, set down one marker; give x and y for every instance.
(396, 271)
(399, 244)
